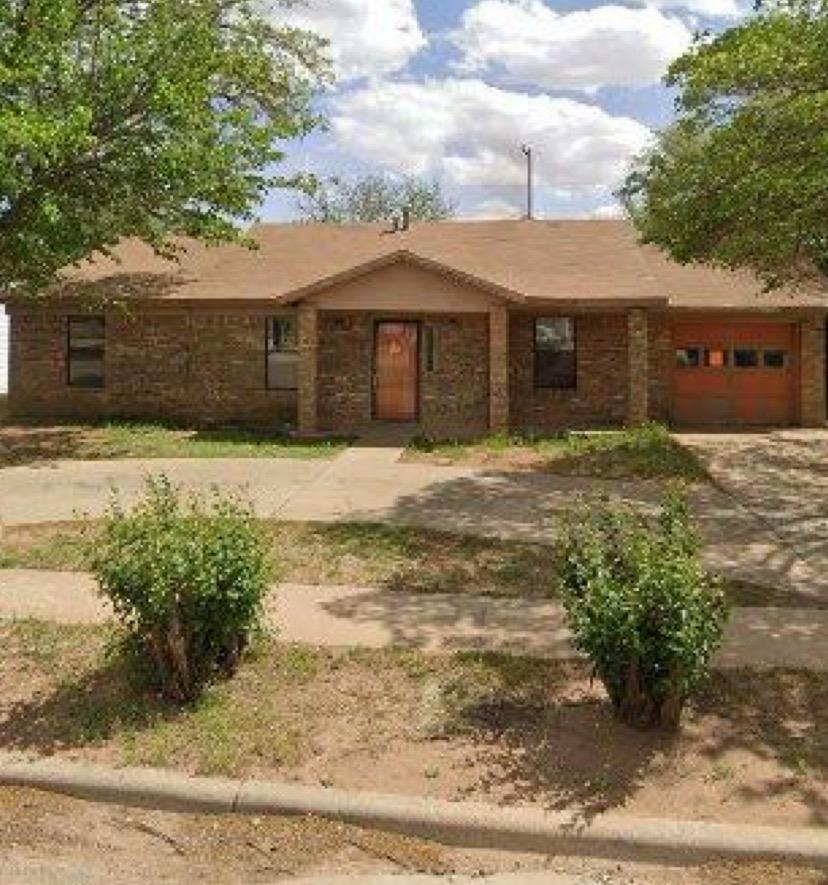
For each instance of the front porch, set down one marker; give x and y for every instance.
(468, 373)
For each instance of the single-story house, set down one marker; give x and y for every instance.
(461, 328)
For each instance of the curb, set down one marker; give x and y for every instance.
(468, 825)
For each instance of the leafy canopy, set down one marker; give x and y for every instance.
(376, 198)
(124, 118)
(741, 179)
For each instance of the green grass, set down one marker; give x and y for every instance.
(33, 443)
(646, 452)
(392, 557)
(398, 558)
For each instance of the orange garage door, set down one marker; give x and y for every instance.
(735, 373)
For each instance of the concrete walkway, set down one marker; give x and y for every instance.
(765, 517)
(368, 484)
(371, 618)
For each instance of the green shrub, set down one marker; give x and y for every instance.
(641, 606)
(187, 578)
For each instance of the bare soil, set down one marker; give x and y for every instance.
(754, 747)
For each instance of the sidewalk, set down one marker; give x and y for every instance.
(372, 618)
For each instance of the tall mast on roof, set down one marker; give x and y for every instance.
(527, 152)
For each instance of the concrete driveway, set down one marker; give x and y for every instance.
(765, 517)
(778, 485)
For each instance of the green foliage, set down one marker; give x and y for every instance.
(149, 120)
(741, 179)
(375, 198)
(641, 606)
(187, 579)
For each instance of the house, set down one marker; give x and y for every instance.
(460, 327)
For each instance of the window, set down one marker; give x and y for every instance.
(774, 359)
(430, 348)
(688, 357)
(555, 353)
(745, 357)
(86, 351)
(282, 353)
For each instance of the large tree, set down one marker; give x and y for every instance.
(145, 119)
(376, 198)
(741, 179)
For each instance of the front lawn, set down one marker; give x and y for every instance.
(647, 452)
(469, 726)
(366, 554)
(402, 558)
(34, 443)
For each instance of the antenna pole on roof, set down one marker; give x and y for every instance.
(527, 152)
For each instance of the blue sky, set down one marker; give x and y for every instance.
(452, 88)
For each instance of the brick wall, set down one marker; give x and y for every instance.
(660, 359)
(196, 366)
(454, 398)
(812, 371)
(600, 398)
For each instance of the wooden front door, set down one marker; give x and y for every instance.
(396, 371)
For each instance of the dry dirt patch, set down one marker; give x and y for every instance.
(469, 726)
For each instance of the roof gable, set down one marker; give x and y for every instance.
(400, 257)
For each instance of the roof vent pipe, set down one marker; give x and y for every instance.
(406, 218)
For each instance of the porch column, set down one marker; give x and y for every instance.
(308, 329)
(812, 371)
(499, 369)
(637, 374)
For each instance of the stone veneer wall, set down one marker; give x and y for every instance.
(454, 398)
(600, 398)
(202, 366)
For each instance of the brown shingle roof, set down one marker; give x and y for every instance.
(590, 261)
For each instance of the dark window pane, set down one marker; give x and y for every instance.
(282, 353)
(85, 348)
(774, 359)
(282, 334)
(745, 357)
(688, 357)
(716, 358)
(86, 371)
(555, 353)
(282, 371)
(430, 346)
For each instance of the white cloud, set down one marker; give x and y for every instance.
(608, 210)
(470, 133)
(586, 49)
(367, 37)
(493, 210)
(710, 8)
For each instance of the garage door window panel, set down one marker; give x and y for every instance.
(745, 358)
(716, 357)
(775, 359)
(688, 357)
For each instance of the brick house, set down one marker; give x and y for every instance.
(461, 328)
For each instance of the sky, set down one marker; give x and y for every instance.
(451, 89)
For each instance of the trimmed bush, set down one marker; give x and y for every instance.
(187, 577)
(641, 606)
